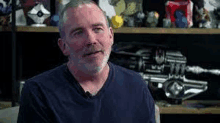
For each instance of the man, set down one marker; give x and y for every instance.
(88, 88)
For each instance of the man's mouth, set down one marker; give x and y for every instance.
(92, 53)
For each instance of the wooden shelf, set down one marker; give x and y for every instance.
(187, 108)
(30, 29)
(125, 30)
(37, 29)
(5, 29)
(214, 107)
(167, 30)
(5, 104)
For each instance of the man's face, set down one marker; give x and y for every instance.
(88, 39)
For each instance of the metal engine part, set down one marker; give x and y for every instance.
(163, 67)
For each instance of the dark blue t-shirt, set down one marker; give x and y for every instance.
(56, 97)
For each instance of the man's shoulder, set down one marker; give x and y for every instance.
(51, 74)
(45, 82)
(132, 82)
(125, 71)
(131, 77)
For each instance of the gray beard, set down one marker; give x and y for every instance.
(91, 69)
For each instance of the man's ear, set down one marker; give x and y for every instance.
(111, 34)
(63, 46)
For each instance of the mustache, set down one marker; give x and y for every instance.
(93, 49)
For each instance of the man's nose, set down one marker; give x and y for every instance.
(91, 38)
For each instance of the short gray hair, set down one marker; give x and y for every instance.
(74, 4)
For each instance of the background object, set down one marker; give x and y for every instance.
(131, 7)
(9, 115)
(119, 6)
(38, 14)
(21, 85)
(166, 23)
(152, 19)
(105, 6)
(213, 6)
(201, 15)
(28, 5)
(181, 20)
(129, 21)
(155, 5)
(5, 7)
(54, 21)
(4, 20)
(20, 17)
(117, 21)
(184, 6)
(164, 68)
(59, 4)
(130, 10)
(139, 16)
(133, 14)
(5, 10)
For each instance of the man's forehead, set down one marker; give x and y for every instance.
(87, 5)
(79, 14)
(83, 7)
(82, 11)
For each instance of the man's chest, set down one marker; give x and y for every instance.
(111, 112)
(98, 110)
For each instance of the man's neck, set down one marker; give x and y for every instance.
(87, 79)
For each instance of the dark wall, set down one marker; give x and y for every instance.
(200, 50)
(38, 52)
(35, 53)
(5, 66)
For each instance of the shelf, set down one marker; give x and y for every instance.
(5, 104)
(187, 107)
(30, 29)
(213, 108)
(37, 29)
(125, 30)
(5, 29)
(167, 30)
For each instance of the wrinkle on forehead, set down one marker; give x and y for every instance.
(65, 14)
(86, 9)
(88, 5)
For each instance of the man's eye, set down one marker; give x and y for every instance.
(98, 29)
(77, 33)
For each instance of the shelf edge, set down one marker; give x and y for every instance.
(123, 30)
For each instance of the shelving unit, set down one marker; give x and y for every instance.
(214, 107)
(189, 107)
(175, 34)
(125, 30)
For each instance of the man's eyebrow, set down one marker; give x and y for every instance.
(76, 29)
(98, 24)
(81, 28)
